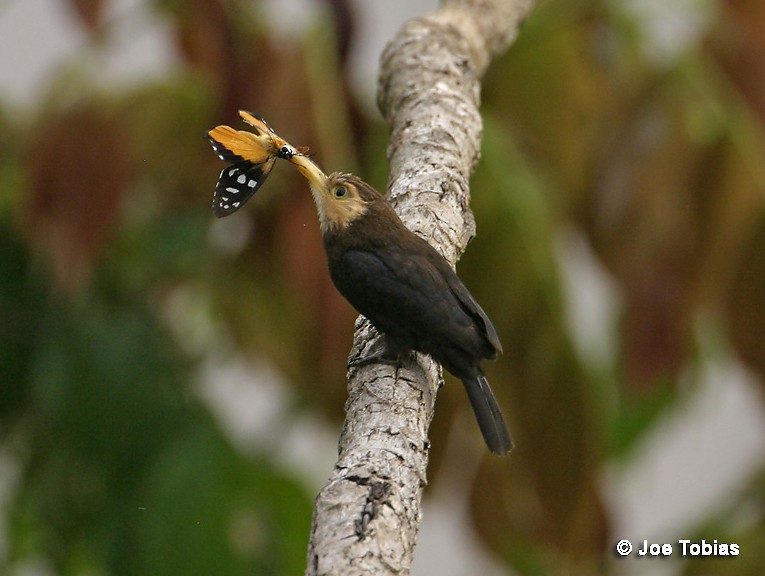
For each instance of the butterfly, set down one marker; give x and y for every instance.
(251, 157)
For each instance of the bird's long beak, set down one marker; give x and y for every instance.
(310, 171)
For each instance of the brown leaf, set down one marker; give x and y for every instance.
(77, 176)
(746, 312)
(738, 43)
(91, 12)
(643, 216)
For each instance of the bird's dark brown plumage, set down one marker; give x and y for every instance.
(408, 291)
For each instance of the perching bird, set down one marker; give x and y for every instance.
(406, 289)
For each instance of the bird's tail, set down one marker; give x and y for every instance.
(488, 414)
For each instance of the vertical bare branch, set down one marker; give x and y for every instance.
(367, 515)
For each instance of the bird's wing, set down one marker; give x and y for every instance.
(384, 280)
(405, 295)
(474, 310)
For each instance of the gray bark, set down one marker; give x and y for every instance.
(367, 516)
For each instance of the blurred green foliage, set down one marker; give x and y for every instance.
(116, 466)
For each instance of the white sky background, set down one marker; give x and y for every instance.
(696, 458)
(37, 36)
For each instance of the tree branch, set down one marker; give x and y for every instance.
(367, 516)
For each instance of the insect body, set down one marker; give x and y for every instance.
(251, 156)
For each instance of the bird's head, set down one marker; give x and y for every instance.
(340, 198)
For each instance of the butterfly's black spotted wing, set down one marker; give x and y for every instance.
(252, 156)
(237, 184)
(251, 161)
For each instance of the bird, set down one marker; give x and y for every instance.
(406, 289)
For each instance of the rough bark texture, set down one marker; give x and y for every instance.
(367, 515)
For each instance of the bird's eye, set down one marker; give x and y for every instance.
(341, 192)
